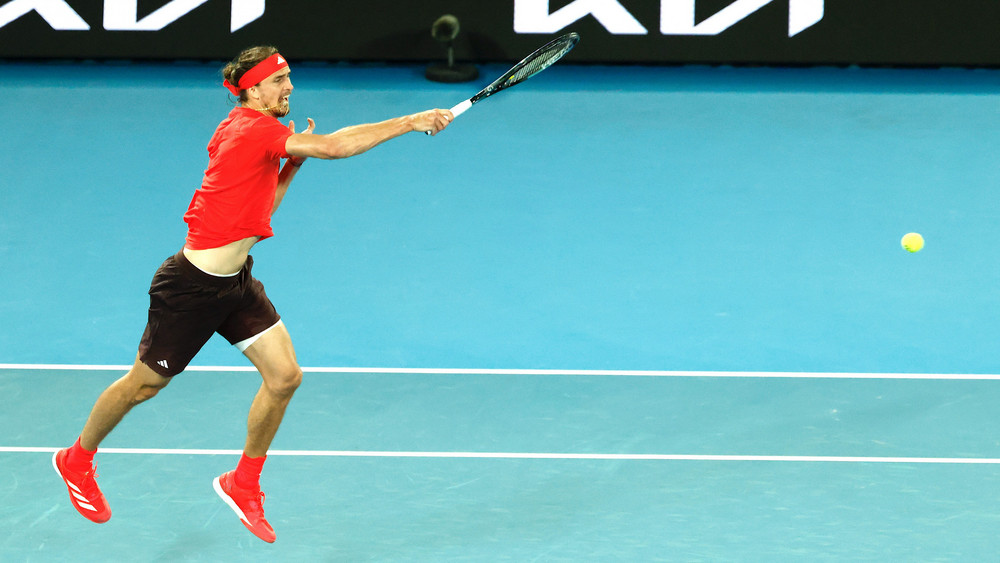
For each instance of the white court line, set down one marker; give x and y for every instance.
(580, 372)
(556, 456)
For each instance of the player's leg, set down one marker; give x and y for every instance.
(183, 314)
(184, 311)
(140, 384)
(257, 331)
(274, 356)
(75, 464)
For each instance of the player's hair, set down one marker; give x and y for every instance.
(249, 58)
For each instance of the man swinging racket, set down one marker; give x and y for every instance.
(207, 287)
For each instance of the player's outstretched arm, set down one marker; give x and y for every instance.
(357, 139)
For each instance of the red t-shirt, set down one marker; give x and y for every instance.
(237, 193)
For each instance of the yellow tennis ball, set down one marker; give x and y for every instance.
(912, 242)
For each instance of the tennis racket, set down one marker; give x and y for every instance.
(543, 57)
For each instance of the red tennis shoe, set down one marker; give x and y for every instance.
(247, 504)
(83, 490)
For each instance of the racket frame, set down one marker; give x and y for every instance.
(502, 82)
(570, 39)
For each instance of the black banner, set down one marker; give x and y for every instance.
(771, 32)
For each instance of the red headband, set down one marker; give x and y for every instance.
(259, 72)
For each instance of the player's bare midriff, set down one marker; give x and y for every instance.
(224, 260)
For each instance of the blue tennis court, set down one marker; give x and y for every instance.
(617, 314)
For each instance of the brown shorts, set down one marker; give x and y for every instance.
(187, 305)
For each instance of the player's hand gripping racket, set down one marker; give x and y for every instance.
(544, 57)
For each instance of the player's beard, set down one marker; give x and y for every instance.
(282, 109)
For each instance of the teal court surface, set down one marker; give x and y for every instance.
(614, 314)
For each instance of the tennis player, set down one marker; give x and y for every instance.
(208, 287)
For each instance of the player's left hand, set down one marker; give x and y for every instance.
(291, 129)
(308, 131)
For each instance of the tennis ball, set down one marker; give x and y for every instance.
(912, 242)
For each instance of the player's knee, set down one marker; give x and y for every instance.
(283, 383)
(144, 383)
(147, 392)
(148, 389)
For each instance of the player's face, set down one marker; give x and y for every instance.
(272, 93)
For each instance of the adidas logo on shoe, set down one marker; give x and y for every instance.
(84, 493)
(247, 504)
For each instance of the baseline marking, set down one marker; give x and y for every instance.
(579, 372)
(539, 455)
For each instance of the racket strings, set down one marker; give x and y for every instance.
(542, 61)
(544, 57)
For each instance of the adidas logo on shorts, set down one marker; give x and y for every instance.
(163, 364)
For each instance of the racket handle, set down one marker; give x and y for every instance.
(458, 110)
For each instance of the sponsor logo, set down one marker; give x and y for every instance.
(123, 15)
(677, 17)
